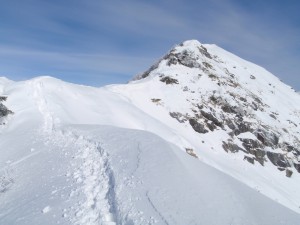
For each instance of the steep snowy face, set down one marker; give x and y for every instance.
(228, 112)
(213, 91)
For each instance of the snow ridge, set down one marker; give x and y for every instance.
(94, 173)
(38, 95)
(147, 152)
(97, 182)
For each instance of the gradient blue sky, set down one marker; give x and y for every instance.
(98, 42)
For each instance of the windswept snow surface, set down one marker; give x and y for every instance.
(73, 154)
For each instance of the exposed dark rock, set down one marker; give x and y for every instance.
(185, 88)
(278, 159)
(230, 146)
(204, 52)
(185, 58)
(252, 77)
(274, 117)
(251, 145)
(249, 159)
(232, 83)
(254, 106)
(268, 138)
(297, 167)
(230, 124)
(258, 100)
(207, 65)
(287, 147)
(169, 80)
(178, 116)
(243, 99)
(198, 127)
(211, 126)
(200, 107)
(147, 72)
(191, 152)
(155, 100)
(213, 99)
(260, 156)
(288, 172)
(291, 122)
(228, 108)
(242, 126)
(4, 111)
(210, 117)
(213, 76)
(285, 130)
(171, 59)
(3, 98)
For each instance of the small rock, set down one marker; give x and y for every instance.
(288, 173)
(249, 159)
(198, 127)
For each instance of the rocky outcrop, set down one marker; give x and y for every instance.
(231, 146)
(169, 80)
(278, 159)
(178, 116)
(204, 52)
(184, 58)
(198, 127)
(267, 137)
(211, 118)
(4, 111)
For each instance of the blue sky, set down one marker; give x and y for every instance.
(99, 42)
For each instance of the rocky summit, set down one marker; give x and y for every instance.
(257, 115)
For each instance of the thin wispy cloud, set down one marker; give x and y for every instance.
(89, 37)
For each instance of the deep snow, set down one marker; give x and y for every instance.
(72, 154)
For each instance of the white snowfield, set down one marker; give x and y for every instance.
(73, 154)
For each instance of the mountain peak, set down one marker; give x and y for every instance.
(218, 92)
(188, 54)
(191, 44)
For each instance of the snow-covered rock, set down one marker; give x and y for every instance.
(219, 92)
(175, 146)
(229, 111)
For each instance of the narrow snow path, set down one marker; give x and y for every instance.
(97, 183)
(91, 167)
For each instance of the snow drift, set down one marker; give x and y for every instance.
(73, 154)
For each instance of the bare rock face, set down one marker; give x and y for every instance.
(184, 58)
(278, 159)
(231, 146)
(210, 117)
(4, 111)
(178, 116)
(169, 80)
(198, 127)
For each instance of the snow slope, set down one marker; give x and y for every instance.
(72, 154)
(91, 174)
(245, 114)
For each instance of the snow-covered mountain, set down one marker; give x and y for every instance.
(202, 137)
